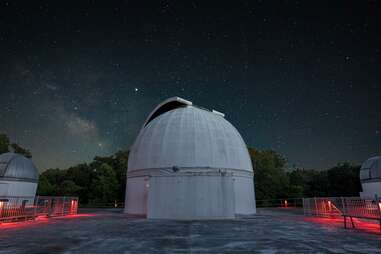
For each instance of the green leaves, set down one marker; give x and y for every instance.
(4, 143)
(273, 180)
(101, 181)
(5, 146)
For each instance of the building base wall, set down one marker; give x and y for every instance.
(371, 189)
(190, 194)
(136, 195)
(191, 197)
(244, 196)
(17, 188)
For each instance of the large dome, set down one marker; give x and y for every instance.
(188, 162)
(178, 134)
(371, 170)
(17, 167)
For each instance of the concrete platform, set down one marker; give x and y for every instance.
(109, 231)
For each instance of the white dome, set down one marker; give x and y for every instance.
(178, 134)
(17, 167)
(189, 163)
(371, 170)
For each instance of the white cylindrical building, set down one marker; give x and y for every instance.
(370, 177)
(189, 163)
(18, 176)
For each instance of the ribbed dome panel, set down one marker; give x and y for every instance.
(189, 137)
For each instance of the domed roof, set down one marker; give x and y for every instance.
(371, 169)
(16, 166)
(179, 134)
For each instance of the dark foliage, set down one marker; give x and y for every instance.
(6, 146)
(104, 179)
(101, 181)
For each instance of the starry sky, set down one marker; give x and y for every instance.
(78, 78)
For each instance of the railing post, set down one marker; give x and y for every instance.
(344, 211)
(63, 205)
(35, 207)
(379, 210)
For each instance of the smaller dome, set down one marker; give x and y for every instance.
(371, 170)
(16, 166)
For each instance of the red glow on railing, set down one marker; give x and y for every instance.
(41, 219)
(73, 206)
(1, 207)
(362, 225)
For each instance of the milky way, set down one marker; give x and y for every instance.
(77, 80)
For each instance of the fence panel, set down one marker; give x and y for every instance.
(342, 206)
(17, 208)
(13, 208)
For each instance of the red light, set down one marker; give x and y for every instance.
(285, 203)
(73, 206)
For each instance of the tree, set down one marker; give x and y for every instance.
(20, 150)
(82, 175)
(119, 163)
(270, 177)
(104, 185)
(45, 188)
(69, 188)
(344, 180)
(4, 143)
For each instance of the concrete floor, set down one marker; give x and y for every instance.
(102, 231)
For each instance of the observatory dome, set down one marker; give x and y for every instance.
(188, 162)
(18, 176)
(370, 177)
(189, 136)
(16, 166)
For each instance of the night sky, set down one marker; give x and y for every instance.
(300, 77)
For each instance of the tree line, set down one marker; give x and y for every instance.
(104, 179)
(274, 180)
(6, 146)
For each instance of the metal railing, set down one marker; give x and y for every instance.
(56, 206)
(13, 208)
(24, 208)
(346, 207)
(323, 207)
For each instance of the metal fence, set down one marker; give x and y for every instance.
(342, 206)
(12, 208)
(24, 208)
(323, 207)
(346, 207)
(56, 206)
